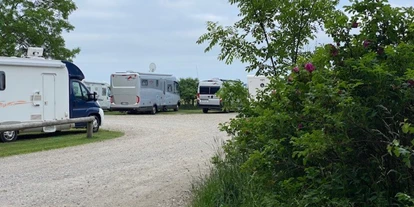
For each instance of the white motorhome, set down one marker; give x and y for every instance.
(256, 83)
(33, 89)
(144, 92)
(206, 94)
(103, 92)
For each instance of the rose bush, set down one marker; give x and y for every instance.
(331, 133)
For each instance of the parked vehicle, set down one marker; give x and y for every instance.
(34, 89)
(256, 83)
(103, 93)
(206, 94)
(144, 92)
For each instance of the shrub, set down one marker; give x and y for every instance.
(332, 133)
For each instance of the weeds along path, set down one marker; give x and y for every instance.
(152, 165)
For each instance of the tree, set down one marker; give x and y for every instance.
(188, 89)
(36, 23)
(278, 28)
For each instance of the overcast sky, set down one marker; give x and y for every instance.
(120, 35)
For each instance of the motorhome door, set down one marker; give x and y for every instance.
(49, 103)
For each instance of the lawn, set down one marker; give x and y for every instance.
(169, 112)
(27, 143)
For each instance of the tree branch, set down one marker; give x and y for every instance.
(268, 45)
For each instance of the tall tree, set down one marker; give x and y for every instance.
(270, 34)
(188, 89)
(36, 23)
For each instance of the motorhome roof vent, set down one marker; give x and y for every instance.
(34, 52)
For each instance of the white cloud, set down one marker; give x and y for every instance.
(209, 17)
(83, 37)
(110, 4)
(191, 33)
(98, 14)
(177, 4)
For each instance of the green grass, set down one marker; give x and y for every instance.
(169, 112)
(225, 185)
(34, 142)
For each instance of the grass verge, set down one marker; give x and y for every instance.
(28, 143)
(225, 185)
(169, 112)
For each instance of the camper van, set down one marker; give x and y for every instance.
(103, 92)
(33, 89)
(256, 83)
(206, 94)
(144, 92)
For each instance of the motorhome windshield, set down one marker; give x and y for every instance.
(124, 80)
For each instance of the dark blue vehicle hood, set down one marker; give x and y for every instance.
(74, 71)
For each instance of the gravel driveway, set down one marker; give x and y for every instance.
(152, 165)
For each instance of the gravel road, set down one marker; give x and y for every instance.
(152, 165)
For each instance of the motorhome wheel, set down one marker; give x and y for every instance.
(205, 111)
(96, 124)
(8, 136)
(154, 109)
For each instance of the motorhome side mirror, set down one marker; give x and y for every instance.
(92, 96)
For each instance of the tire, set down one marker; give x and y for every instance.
(205, 111)
(154, 109)
(96, 123)
(8, 136)
(177, 107)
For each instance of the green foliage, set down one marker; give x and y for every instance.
(226, 186)
(278, 28)
(27, 23)
(188, 89)
(234, 95)
(335, 132)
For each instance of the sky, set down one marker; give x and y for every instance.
(121, 35)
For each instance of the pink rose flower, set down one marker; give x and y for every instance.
(296, 69)
(366, 43)
(309, 67)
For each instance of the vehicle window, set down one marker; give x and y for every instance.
(157, 83)
(176, 88)
(144, 83)
(169, 88)
(124, 81)
(84, 92)
(103, 91)
(76, 90)
(2, 81)
(204, 90)
(79, 91)
(213, 90)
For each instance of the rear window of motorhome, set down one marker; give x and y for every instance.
(209, 90)
(103, 91)
(204, 90)
(213, 90)
(2, 81)
(124, 80)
